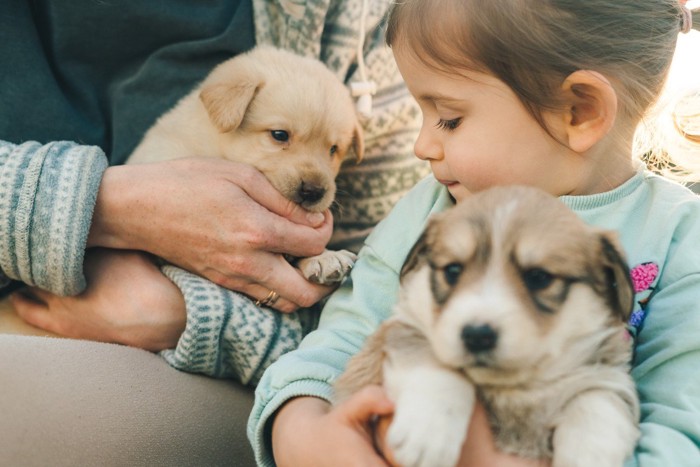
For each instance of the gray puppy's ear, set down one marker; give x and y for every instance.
(417, 255)
(420, 250)
(620, 291)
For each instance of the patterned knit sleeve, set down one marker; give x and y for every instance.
(227, 335)
(47, 197)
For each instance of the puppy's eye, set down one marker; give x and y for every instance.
(334, 149)
(537, 279)
(452, 272)
(279, 135)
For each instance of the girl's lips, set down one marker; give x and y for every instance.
(447, 183)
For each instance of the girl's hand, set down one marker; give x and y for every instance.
(308, 431)
(479, 449)
(127, 301)
(216, 218)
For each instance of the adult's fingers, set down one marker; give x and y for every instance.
(292, 289)
(258, 187)
(280, 302)
(290, 229)
(285, 236)
(34, 312)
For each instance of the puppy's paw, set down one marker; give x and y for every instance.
(598, 429)
(328, 268)
(427, 435)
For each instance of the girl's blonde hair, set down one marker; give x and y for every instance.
(533, 45)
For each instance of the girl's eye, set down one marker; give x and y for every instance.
(334, 149)
(279, 135)
(448, 125)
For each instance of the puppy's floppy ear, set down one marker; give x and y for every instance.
(419, 252)
(227, 104)
(358, 142)
(228, 91)
(417, 255)
(620, 290)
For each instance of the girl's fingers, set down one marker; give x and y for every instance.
(367, 403)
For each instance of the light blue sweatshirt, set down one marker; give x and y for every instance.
(658, 223)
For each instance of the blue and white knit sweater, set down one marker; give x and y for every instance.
(47, 195)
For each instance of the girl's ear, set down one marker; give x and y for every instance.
(591, 108)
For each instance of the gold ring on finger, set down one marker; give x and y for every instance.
(269, 300)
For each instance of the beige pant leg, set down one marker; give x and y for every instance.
(69, 403)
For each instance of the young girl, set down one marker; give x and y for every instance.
(540, 92)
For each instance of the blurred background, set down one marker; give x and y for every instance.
(671, 135)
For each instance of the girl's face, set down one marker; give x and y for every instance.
(477, 134)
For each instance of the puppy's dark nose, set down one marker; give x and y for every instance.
(310, 192)
(479, 338)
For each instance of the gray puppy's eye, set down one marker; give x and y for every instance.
(537, 279)
(279, 135)
(451, 272)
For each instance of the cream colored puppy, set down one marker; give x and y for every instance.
(286, 115)
(509, 298)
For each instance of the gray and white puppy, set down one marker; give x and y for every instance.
(511, 299)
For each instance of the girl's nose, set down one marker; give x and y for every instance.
(427, 147)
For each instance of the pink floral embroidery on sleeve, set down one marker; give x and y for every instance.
(643, 276)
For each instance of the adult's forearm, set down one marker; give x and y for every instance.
(114, 207)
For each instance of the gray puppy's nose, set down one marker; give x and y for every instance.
(479, 339)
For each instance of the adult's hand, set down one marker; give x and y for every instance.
(219, 219)
(127, 301)
(478, 450)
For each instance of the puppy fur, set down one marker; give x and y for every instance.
(286, 115)
(509, 298)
